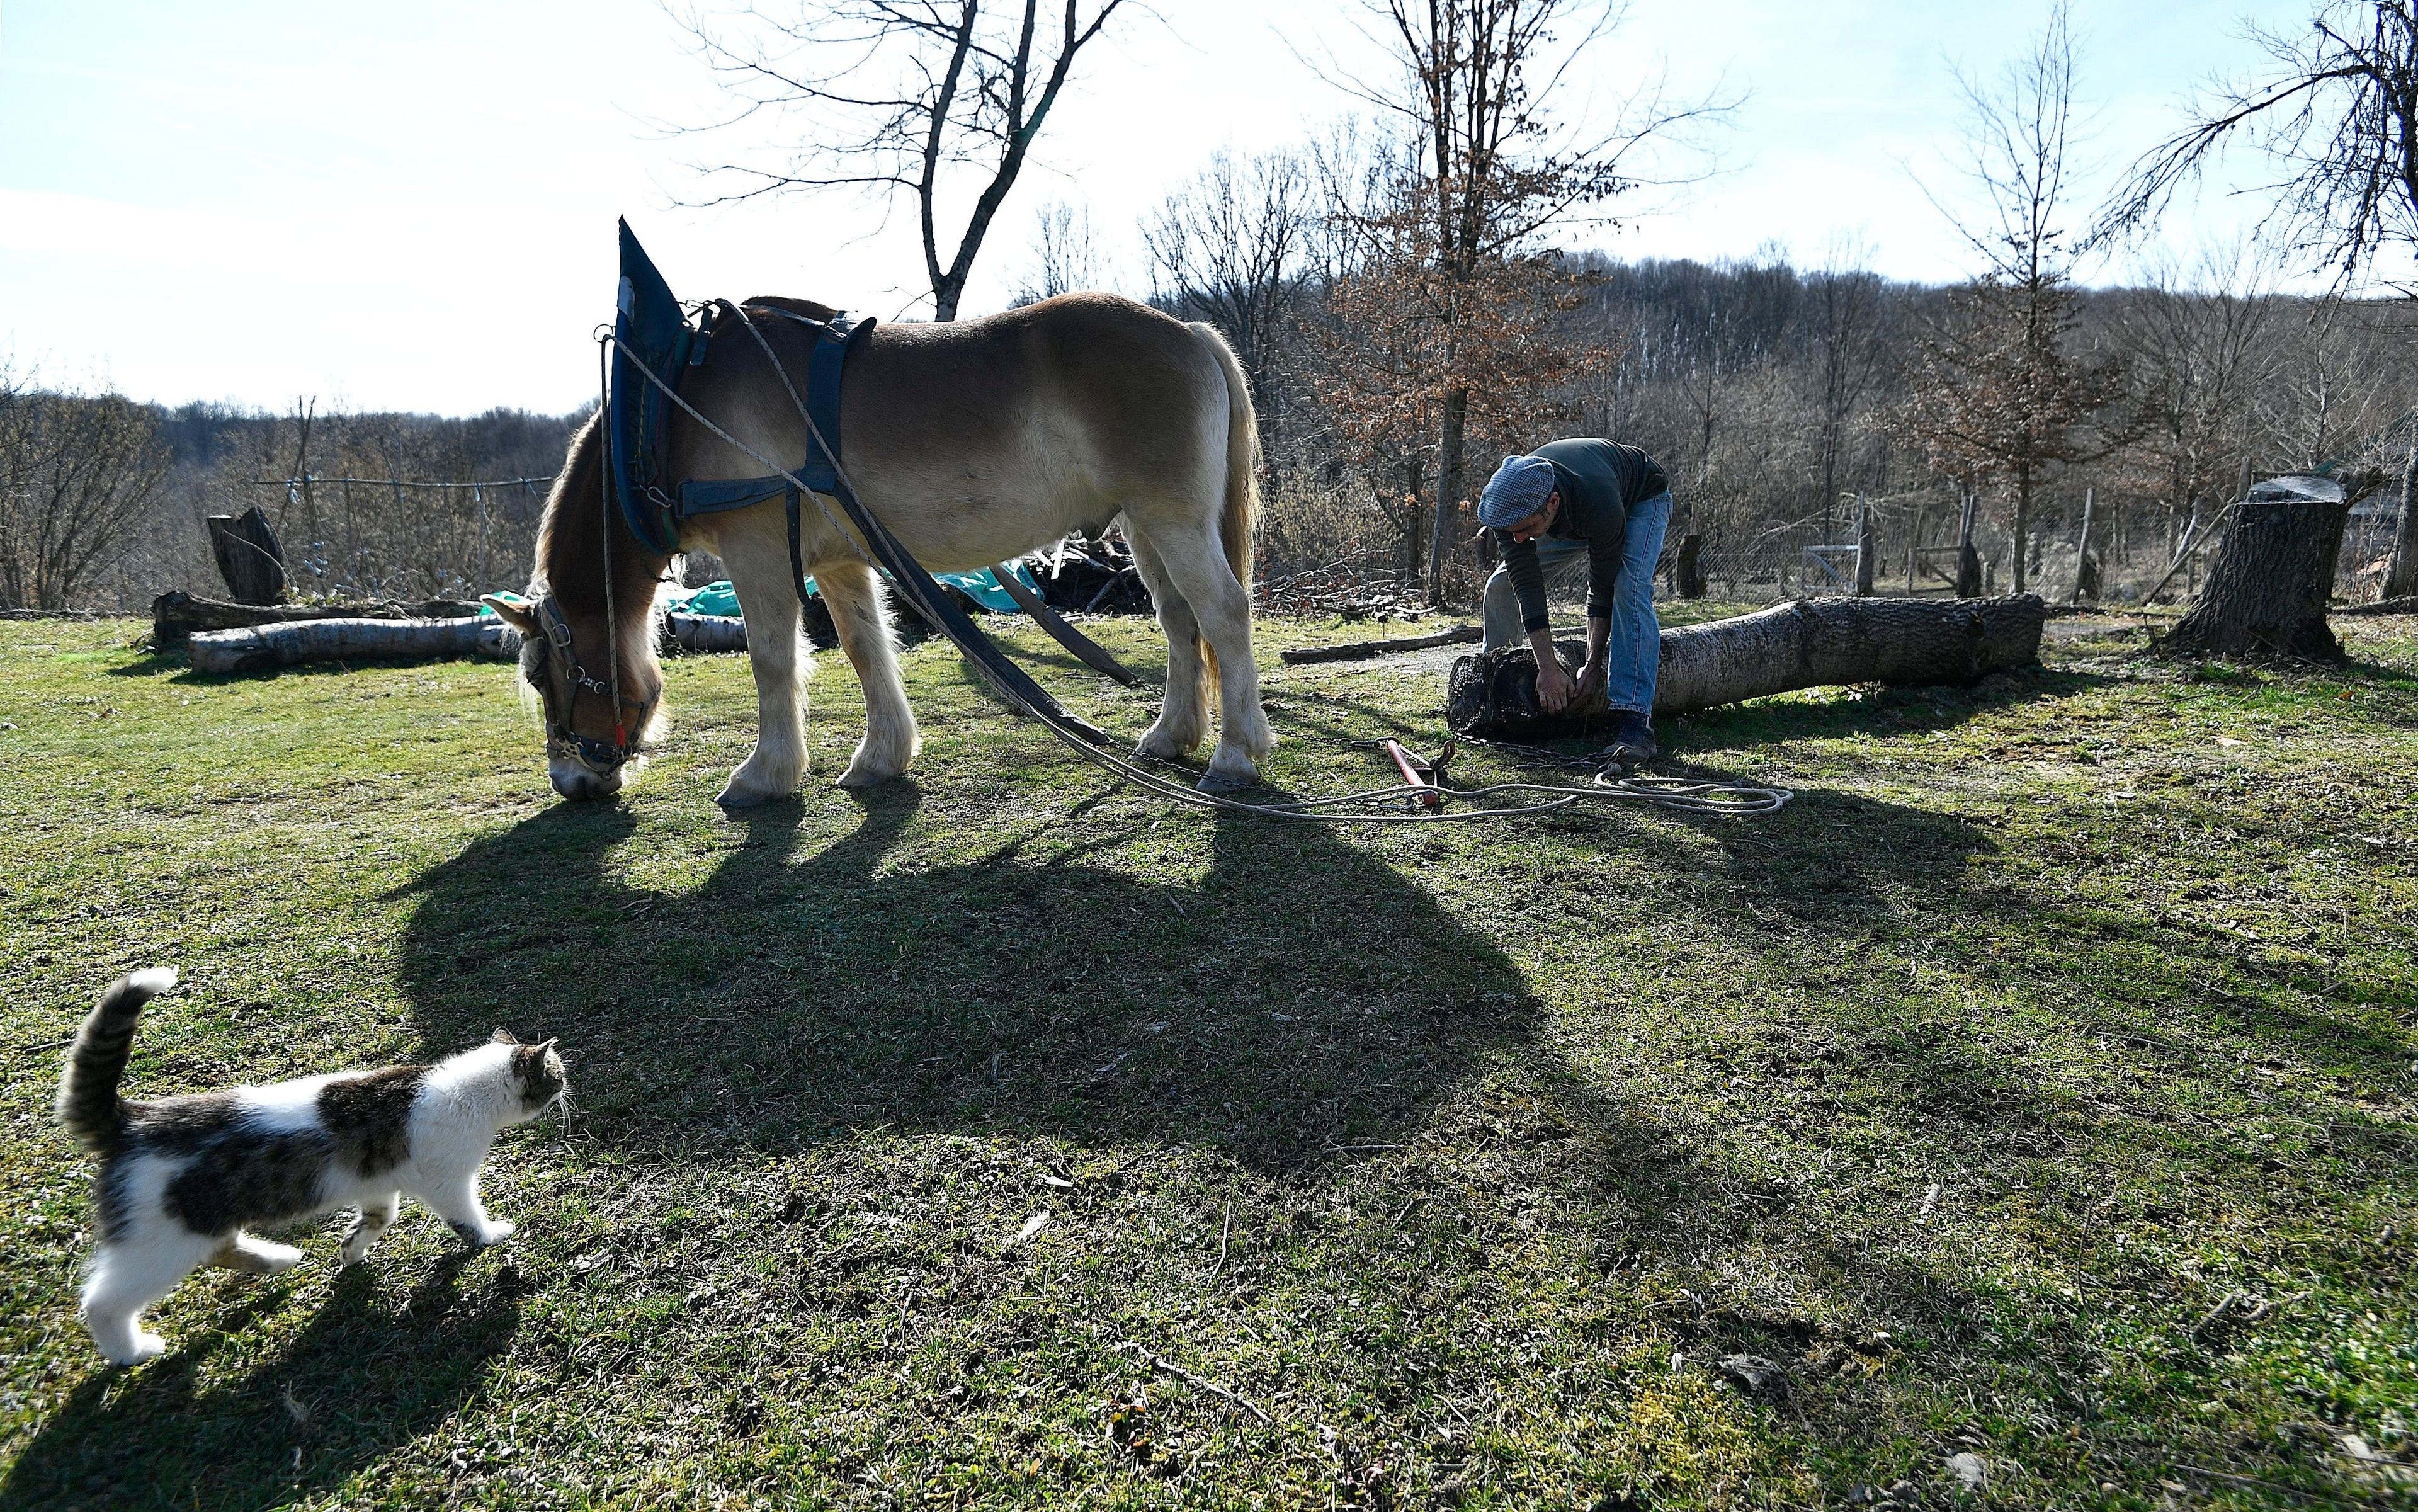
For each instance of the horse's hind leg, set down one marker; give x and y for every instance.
(1184, 718)
(1197, 575)
(756, 548)
(858, 613)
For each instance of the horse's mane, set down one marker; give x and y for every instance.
(811, 309)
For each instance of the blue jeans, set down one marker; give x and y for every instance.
(1633, 654)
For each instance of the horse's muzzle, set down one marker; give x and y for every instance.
(580, 782)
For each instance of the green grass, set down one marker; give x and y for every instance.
(2050, 1017)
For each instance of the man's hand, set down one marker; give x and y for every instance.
(1590, 683)
(1554, 689)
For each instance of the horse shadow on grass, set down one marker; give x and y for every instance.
(814, 983)
(368, 1371)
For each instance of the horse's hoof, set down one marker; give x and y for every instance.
(1229, 772)
(735, 797)
(1160, 746)
(1213, 781)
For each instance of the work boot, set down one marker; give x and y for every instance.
(1632, 742)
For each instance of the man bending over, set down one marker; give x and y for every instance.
(1593, 508)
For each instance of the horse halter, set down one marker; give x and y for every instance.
(562, 737)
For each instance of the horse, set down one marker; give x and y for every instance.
(973, 442)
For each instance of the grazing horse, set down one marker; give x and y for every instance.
(973, 442)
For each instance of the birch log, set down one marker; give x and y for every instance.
(295, 642)
(1812, 643)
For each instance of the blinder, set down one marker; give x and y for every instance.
(562, 737)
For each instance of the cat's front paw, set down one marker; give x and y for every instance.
(495, 1232)
(145, 1347)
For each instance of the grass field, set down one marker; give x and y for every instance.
(2041, 1087)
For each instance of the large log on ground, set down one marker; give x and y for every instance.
(296, 642)
(2266, 589)
(1813, 643)
(350, 641)
(176, 615)
(248, 555)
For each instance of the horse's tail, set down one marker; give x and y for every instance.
(88, 1105)
(1238, 521)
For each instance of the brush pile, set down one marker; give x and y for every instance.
(1083, 576)
(1343, 588)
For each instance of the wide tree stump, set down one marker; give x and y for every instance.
(248, 554)
(2267, 589)
(1812, 643)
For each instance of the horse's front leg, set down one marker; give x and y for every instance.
(777, 653)
(863, 621)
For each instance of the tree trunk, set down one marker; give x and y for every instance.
(1690, 569)
(1968, 561)
(176, 615)
(1868, 541)
(2401, 571)
(249, 556)
(296, 642)
(1448, 503)
(2266, 589)
(1812, 643)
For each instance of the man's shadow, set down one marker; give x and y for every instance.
(367, 1372)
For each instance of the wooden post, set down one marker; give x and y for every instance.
(1867, 543)
(2086, 573)
(1968, 561)
(1914, 546)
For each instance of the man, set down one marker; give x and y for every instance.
(1589, 508)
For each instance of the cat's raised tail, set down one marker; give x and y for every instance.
(89, 1106)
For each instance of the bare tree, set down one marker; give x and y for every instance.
(1998, 390)
(1066, 258)
(2198, 356)
(1228, 248)
(925, 95)
(1481, 80)
(1851, 351)
(78, 476)
(2337, 111)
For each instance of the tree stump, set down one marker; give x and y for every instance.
(1689, 568)
(2266, 589)
(249, 556)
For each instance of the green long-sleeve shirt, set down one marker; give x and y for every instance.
(1598, 480)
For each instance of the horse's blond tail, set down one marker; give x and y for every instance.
(1238, 522)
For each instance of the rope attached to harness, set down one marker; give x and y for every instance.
(1018, 690)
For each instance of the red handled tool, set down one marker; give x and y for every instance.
(1416, 773)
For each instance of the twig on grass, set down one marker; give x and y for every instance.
(1225, 1227)
(1169, 1368)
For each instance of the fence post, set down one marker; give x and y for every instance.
(2086, 576)
(1866, 539)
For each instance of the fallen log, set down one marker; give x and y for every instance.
(1355, 651)
(2381, 606)
(1812, 643)
(293, 642)
(349, 640)
(176, 615)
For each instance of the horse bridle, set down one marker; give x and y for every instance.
(562, 737)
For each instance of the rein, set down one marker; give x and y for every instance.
(1017, 689)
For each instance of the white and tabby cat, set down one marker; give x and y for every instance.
(181, 1178)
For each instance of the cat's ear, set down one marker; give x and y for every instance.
(504, 1036)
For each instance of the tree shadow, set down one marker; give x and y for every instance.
(814, 983)
(366, 1373)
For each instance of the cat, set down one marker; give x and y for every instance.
(180, 1179)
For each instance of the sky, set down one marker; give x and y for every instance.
(412, 207)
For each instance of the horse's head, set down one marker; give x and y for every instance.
(597, 735)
